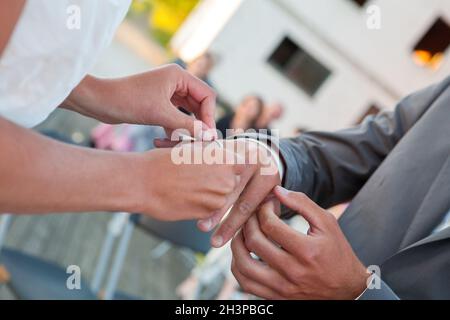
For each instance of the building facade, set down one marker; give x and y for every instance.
(328, 61)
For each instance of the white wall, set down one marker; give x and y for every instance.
(368, 67)
(385, 53)
(248, 40)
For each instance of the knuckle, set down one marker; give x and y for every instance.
(227, 229)
(233, 246)
(229, 185)
(227, 182)
(243, 282)
(215, 202)
(221, 203)
(251, 242)
(330, 217)
(234, 269)
(246, 287)
(300, 197)
(264, 213)
(244, 208)
(286, 291)
(295, 275)
(243, 268)
(173, 67)
(266, 224)
(312, 254)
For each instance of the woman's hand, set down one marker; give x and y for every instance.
(66, 178)
(151, 98)
(167, 189)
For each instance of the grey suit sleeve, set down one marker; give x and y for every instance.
(383, 293)
(332, 167)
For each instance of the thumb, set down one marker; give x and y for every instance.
(182, 124)
(303, 205)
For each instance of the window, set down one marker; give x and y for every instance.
(430, 50)
(372, 110)
(360, 3)
(299, 66)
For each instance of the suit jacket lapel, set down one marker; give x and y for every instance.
(432, 210)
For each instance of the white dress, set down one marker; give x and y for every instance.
(53, 47)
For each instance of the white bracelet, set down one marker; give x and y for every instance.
(274, 154)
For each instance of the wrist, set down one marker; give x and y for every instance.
(81, 94)
(360, 284)
(118, 183)
(260, 153)
(96, 98)
(121, 179)
(142, 183)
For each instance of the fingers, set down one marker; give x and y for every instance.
(299, 202)
(278, 231)
(254, 194)
(165, 143)
(244, 173)
(254, 270)
(254, 288)
(177, 121)
(201, 113)
(267, 250)
(204, 96)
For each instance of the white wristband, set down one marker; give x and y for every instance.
(274, 154)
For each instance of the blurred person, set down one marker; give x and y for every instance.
(199, 67)
(44, 61)
(299, 131)
(270, 114)
(393, 239)
(244, 118)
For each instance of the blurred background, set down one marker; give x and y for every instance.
(291, 65)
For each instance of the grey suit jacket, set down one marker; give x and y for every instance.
(395, 169)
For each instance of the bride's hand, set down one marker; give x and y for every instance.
(168, 188)
(150, 98)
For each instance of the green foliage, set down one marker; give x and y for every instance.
(164, 16)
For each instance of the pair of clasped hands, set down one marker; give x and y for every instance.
(227, 176)
(157, 184)
(239, 174)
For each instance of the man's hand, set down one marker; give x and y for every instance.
(257, 181)
(320, 265)
(151, 98)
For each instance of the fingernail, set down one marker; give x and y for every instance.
(217, 241)
(207, 136)
(215, 134)
(282, 191)
(206, 225)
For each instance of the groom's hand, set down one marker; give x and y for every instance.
(258, 179)
(319, 265)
